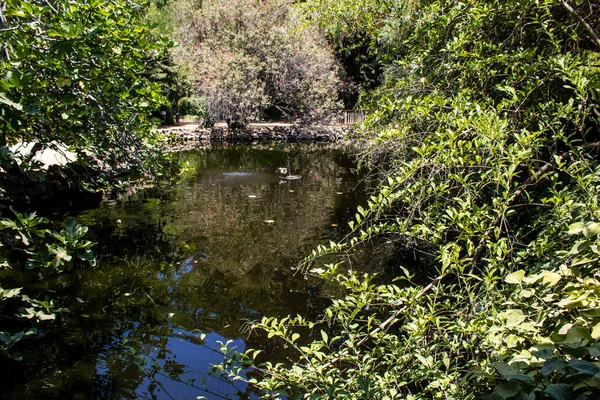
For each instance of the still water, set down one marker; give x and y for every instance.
(185, 268)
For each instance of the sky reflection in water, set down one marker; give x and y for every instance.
(204, 256)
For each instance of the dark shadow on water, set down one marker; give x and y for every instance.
(202, 257)
(184, 268)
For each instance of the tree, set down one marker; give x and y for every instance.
(73, 73)
(254, 59)
(357, 32)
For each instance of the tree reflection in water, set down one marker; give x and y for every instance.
(186, 261)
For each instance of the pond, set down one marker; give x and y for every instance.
(185, 268)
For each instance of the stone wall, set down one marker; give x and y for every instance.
(259, 132)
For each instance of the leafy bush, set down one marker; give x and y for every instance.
(195, 107)
(29, 244)
(73, 73)
(191, 106)
(250, 57)
(487, 125)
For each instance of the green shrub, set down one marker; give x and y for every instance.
(192, 106)
(488, 124)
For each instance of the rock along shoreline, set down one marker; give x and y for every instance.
(256, 133)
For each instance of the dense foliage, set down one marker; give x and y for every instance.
(487, 125)
(31, 245)
(252, 60)
(73, 78)
(194, 107)
(73, 73)
(357, 30)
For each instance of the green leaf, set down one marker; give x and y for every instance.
(576, 228)
(594, 350)
(508, 389)
(584, 367)
(596, 331)
(591, 229)
(515, 278)
(550, 278)
(580, 246)
(61, 255)
(43, 317)
(364, 383)
(552, 365)
(514, 318)
(559, 391)
(324, 336)
(15, 13)
(63, 82)
(8, 102)
(577, 336)
(543, 350)
(9, 293)
(503, 368)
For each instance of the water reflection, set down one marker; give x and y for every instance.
(200, 258)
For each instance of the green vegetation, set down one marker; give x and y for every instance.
(487, 124)
(250, 60)
(195, 108)
(33, 247)
(357, 30)
(73, 73)
(484, 125)
(74, 77)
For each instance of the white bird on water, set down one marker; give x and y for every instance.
(286, 175)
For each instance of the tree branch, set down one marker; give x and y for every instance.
(4, 27)
(582, 21)
(388, 321)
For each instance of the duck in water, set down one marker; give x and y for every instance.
(286, 174)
